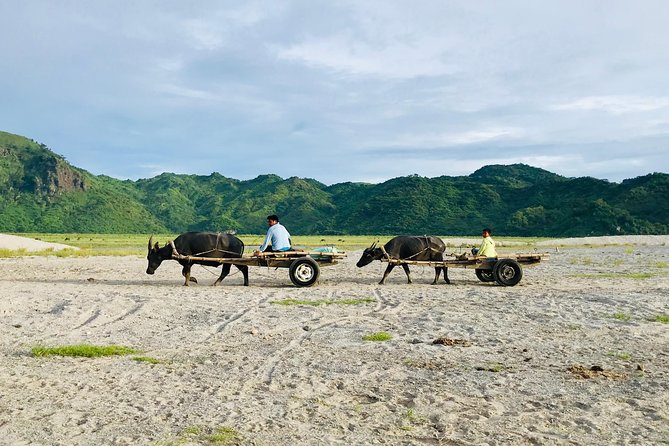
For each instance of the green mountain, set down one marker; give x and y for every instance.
(41, 192)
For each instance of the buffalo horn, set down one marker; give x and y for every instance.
(150, 240)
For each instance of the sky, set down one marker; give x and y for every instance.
(359, 90)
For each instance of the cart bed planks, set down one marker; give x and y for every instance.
(303, 266)
(505, 270)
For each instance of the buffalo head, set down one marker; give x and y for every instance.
(369, 255)
(154, 257)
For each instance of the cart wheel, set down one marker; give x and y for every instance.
(507, 272)
(304, 271)
(485, 275)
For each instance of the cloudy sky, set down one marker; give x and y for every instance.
(339, 90)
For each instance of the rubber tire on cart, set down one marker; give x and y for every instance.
(507, 272)
(304, 272)
(484, 275)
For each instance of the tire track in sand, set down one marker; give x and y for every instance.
(237, 315)
(268, 368)
(139, 303)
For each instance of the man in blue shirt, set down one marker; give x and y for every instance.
(277, 238)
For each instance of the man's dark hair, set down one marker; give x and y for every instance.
(487, 230)
(273, 217)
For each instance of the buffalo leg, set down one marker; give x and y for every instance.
(385, 274)
(245, 271)
(446, 276)
(186, 273)
(225, 271)
(406, 270)
(437, 272)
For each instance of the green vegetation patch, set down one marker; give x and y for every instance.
(623, 356)
(83, 350)
(147, 359)
(621, 316)
(317, 302)
(378, 336)
(98, 244)
(67, 252)
(663, 318)
(635, 276)
(223, 435)
(411, 419)
(494, 367)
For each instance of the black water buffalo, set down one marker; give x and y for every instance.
(407, 248)
(199, 244)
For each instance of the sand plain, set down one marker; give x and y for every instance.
(515, 365)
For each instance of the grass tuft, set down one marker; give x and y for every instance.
(223, 435)
(83, 350)
(378, 336)
(148, 359)
(621, 316)
(663, 318)
(623, 356)
(494, 367)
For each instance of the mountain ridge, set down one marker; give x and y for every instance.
(41, 192)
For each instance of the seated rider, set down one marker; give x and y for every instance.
(277, 238)
(487, 248)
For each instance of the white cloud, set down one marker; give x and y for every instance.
(616, 105)
(346, 53)
(451, 139)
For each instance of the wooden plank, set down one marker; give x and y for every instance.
(296, 254)
(271, 259)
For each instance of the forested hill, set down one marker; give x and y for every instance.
(41, 192)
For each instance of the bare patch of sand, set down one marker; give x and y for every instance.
(15, 243)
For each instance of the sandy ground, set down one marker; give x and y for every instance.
(287, 375)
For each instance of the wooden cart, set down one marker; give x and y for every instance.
(505, 270)
(303, 266)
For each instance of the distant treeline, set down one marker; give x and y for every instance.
(41, 192)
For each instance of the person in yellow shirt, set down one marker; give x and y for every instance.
(487, 248)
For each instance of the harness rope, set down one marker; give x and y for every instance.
(175, 253)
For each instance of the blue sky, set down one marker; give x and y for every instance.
(340, 91)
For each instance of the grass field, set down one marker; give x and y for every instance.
(136, 244)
